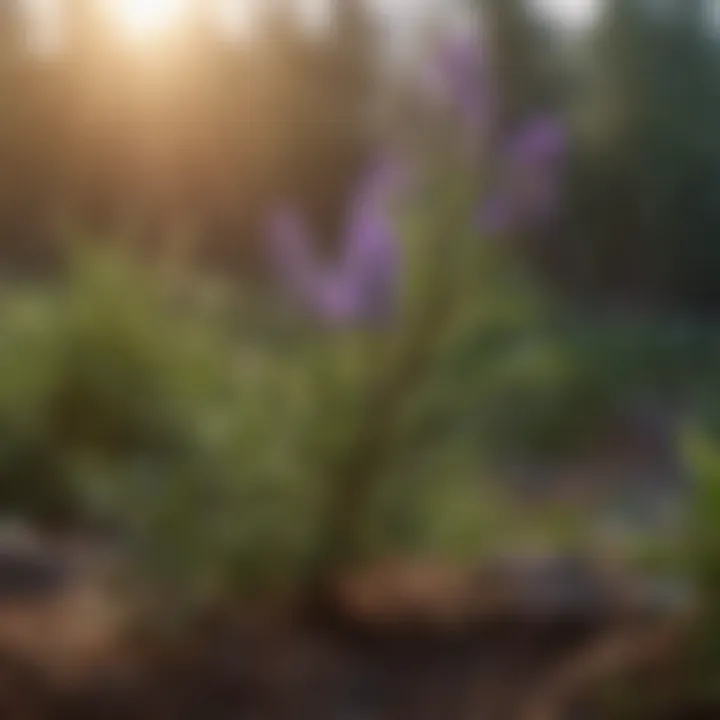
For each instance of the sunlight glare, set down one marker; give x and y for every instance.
(146, 19)
(572, 14)
(235, 17)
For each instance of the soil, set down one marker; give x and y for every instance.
(541, 650)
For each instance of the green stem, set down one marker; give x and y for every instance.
(356, 476)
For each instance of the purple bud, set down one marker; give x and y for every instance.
(536, 163)
(540, 142)
(361, 285)
(529, 191)
(459, 80)
(370, 262)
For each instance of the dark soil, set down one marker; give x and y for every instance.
(539, 651)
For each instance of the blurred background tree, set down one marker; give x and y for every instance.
(644, 214)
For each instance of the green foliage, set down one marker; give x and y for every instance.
(703, 559)
(214, 434)
(236, 448)
(120, 405)
(232, 446)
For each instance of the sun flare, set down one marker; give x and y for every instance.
(144, 20)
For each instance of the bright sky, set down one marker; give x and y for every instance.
(573, 13)
(142, 20)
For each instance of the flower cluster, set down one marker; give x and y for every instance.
(528, 189)
(360, 287)
(530, 157)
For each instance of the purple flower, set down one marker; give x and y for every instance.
(539, 143)
(360, 286)
(531, 165)
(458, 78)
(536, 160)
